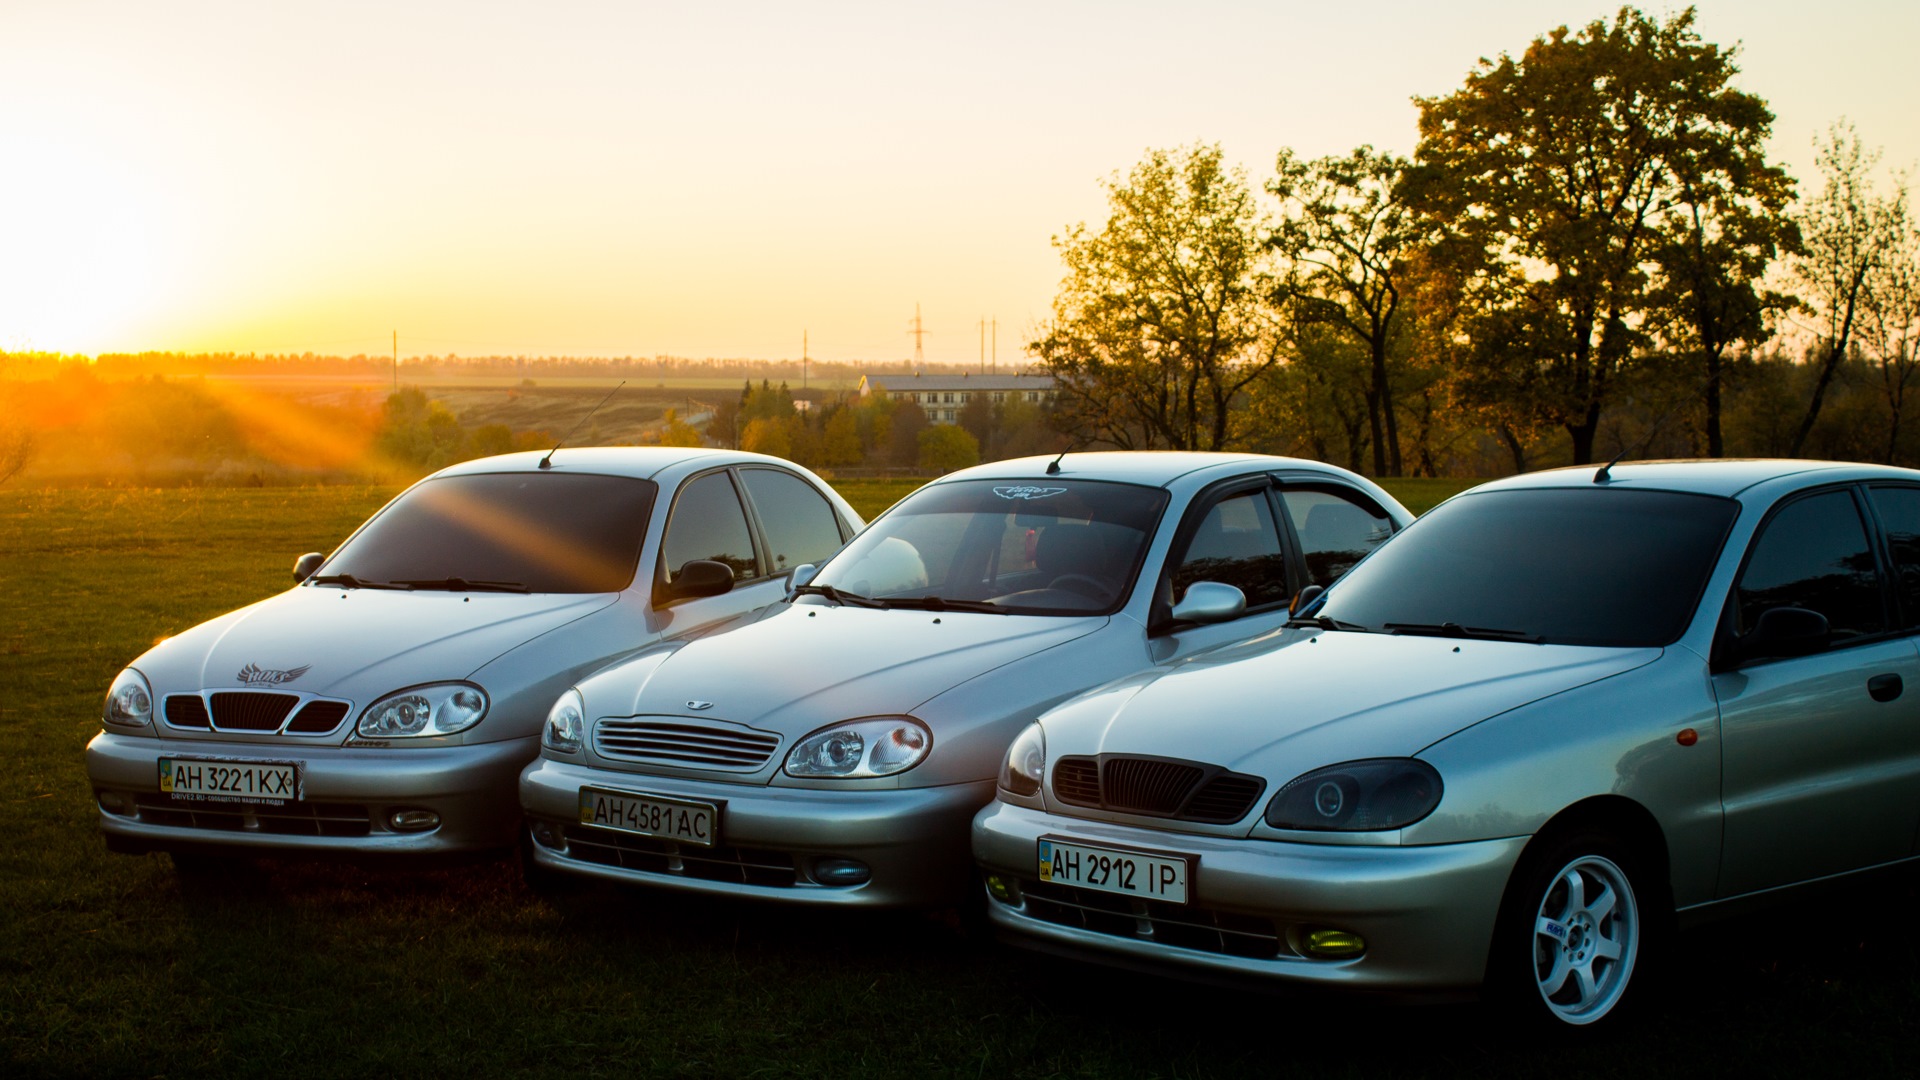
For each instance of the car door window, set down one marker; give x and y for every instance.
(1813, 554)
(708, 522)
(1899, 510)
(1335, 531)
(1237, 544)
(797, 521)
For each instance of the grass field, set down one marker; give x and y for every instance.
(115, 966)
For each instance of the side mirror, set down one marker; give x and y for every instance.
(1304, 599)
(1782, 632)
(699, 577)
(1210, 602)
(800, 575)
(305, 565)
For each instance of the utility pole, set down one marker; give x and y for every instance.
(919, 331)
(983, 345)
(996, 346)
(396, 361)
(803, 359)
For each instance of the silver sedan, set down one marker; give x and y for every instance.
(1560, 713)
(834, 749)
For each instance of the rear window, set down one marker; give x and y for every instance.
(1600, 567)
(553, 533)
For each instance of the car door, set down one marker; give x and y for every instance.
(1818, 752)
(709, 521)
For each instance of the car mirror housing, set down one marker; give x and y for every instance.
(699, 577)
(1210, 602)
(1304, 599)
(305, 565)
(800, 575)
(1783, 632)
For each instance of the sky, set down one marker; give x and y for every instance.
(725, 179)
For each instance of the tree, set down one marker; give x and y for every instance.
(1849, 230)
(946, 447)
(1560, 170)
(1892, 323)
(1160, 322)
(840, 442)
(1344, 233)
(16, 449)
(677, 432)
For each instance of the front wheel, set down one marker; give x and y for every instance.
(1572, 932)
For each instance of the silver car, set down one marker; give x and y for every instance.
(1511, 748)
(388, 701)
(834, 749)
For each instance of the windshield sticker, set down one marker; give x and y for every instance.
(1027, 492)
(253, 675)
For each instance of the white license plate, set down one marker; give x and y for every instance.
(231, 781)
(1143, 874)
(680, 820)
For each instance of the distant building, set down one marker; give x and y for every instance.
(943, 396)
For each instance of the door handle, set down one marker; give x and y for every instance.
(1884, 687)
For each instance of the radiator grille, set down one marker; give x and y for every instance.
(687, 743)
(1180, 926)
(251, 710)
(255, 712)
(1156, 787)
(745, 866)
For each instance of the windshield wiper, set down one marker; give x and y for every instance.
(1455, 630)
(939, 603)
(454, 584)
(1325, 622)
(351, 582)
(838, 597)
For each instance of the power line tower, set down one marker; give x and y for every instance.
(918, 332)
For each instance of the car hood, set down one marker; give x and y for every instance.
(802, 665)
(1299, 699)
(358, 643)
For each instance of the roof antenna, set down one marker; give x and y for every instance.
(1605, 475)
(1053, 467)
(547, 462)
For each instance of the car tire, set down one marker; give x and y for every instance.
(1571, 948)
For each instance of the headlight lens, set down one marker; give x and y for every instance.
(1358, 796)
(129, 700)
(424, 710)
(565, 723)
(876, 746)
(1026, 762)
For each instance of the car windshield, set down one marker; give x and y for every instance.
(533, 532)
(1066, 547)
(1604, 566)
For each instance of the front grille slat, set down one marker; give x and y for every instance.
(255, 712)
(741, 866)
(1179, 926)
(251, 710)
(187, 711)
(716, 745)
(286, 819)
(1156, 787)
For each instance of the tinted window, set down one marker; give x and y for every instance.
(552, 532)
(1813, 554)
(1237, 544)
(708, 523)
(1062, 547)
(1594, 567)
(798, 522)
(1335, 532)
(1899, 510)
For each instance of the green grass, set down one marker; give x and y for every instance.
(117, 966)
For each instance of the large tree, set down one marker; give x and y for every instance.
(1162, 321)
(1559, 169)
(1344, 236)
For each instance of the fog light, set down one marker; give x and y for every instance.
(841, 872)
(1322, 943)
(1004, 889)
(546, 834)
(112, 802)
(413, 820)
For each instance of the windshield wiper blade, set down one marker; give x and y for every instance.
(1455, 630)
(351, 582)
(455, 584)
(941, 603)
(838, 597)
(1325, 622)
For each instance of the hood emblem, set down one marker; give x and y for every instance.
(1026, 491)
(254, 675)
(699, 706)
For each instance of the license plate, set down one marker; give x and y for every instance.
(230, 781)
(680, 820)
(1143, 874)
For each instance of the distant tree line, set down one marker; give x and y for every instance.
(1589, 254)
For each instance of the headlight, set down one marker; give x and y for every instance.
(565, 723)
(1358, 796)
(424, 710)
(1026, 762)
(129, 700)
(877, 746)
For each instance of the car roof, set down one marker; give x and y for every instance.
(644, 462)
(1726, 477)
(1156, 468)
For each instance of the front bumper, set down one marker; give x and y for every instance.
(792, 845)
(348, 798)
(1426, 913)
